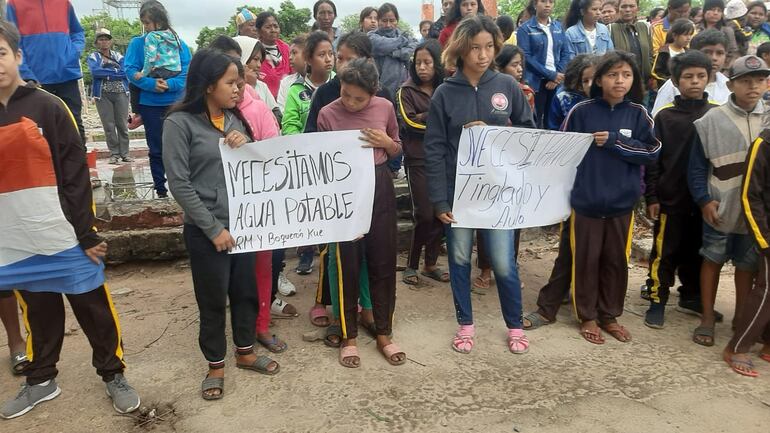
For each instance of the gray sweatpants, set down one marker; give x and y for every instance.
(113, 111)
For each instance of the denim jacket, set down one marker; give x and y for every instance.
(533, 41)
(578, 37)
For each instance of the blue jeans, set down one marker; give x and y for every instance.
(500, 244)
(152, 117)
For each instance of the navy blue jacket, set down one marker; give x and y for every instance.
(608, 181)
(533, 41)
(456, 103)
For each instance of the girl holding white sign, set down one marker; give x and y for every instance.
(191, 135)
(359, 108)
(476, 95)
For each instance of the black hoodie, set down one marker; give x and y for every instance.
(666, 179)
(456, 103)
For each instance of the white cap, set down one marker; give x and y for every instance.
(735, 9)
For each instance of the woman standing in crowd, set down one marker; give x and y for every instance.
(609, 11)
(359, 108)
(696, 15)
(324, 13)
(756, 23)
(633, 36)
(413, 102)
(475, 95)
(276, 65)
(441, 22)
(547, 51)
(460, 9)
(368, 20)
(192, 132)
(601, 223)
(156, 95)
(676, 9)
(713, 18)
(584, 31)
(392, 49)
(110, 92)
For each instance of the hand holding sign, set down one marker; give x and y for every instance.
(511, 178)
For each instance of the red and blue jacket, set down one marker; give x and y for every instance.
(607, 181)
(52, 39)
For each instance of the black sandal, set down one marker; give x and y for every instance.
(333, 331)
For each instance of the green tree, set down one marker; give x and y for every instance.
(208, 34)
(122, 30)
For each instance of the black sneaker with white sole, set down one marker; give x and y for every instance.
(29, 397)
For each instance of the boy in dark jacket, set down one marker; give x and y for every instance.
(677, 218)
(754, 324)
(49, 244)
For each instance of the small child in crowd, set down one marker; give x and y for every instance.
(577, 86)
(602, 217)
(298, 65)
(712, 43)
(678, 221)
(714, 175)
(677, 41)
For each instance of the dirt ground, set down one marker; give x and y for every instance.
(660, 382)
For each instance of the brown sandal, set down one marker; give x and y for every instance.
(618, 331)
(592, 334)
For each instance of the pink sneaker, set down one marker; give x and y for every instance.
(134, 121)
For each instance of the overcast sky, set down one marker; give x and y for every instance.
(189, 16)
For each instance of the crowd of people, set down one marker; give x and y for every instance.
(674, 102)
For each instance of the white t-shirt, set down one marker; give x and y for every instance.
(283, 90)
(264, 94)
(718, 92)
(550, 62)
(591, 34)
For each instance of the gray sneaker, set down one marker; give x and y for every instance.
(127, 159)
(29, 397)
(124, 398)
(114, 160)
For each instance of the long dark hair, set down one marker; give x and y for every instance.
(207, 67)
(507, 54)
(311, 43)
(434, 49)
(358, 42)
(154, 11)
(609, 61)
(317, 5)
(456, 15)
(573, 75)
(575, 12)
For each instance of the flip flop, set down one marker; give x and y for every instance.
(536, 321)
(481, 283)
(211, 384)
(703, 331)
(319, 312)
(260, 366)
(733, 362)
(437, 274)
(764, 357)
(19, 362)
(278, 307)
(390, 351)
(349, 352)
(274, 344)
(333, 331)
(410, 277)
(618, 331)
(588, 333)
